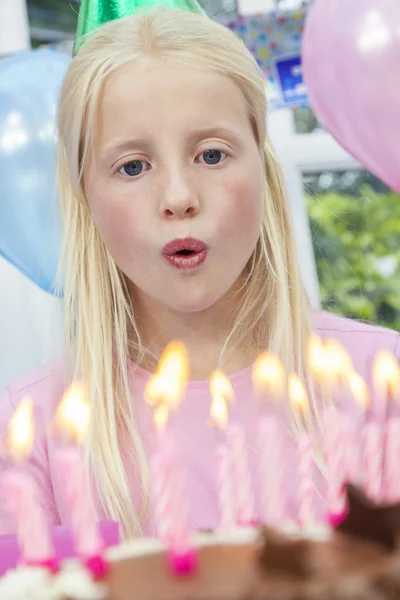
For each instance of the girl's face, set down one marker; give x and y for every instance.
(176, 185)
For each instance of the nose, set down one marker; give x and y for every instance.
(179, 197)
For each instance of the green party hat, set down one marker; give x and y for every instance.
(94, 13)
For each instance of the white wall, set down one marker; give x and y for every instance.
(249, 7)
(14, 28)
(280, 125)
(30, 325)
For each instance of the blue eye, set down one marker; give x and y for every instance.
(133, 168)
(213, 157)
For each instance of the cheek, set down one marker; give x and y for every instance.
(119, 227)
(243, 209)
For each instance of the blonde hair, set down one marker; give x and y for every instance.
(100, 327)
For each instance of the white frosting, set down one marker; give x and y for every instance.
(36, 583)
(75, 582)
(236, 537)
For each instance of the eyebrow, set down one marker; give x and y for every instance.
(194, 136)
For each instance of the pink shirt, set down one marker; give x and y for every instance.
(197, 442)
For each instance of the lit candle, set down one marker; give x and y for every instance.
(163, 393)
(226, 491)
(269, 385)
(221, 394)
(317, 365)
(330, 365)
(72, 420)
(373, 459)
(20, 493)
(221, 390)
(168, 384)
(338, 365)
(306, 469)
(242, 477)
(360, 393)
(386, 376)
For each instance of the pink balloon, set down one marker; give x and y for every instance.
(351, 65)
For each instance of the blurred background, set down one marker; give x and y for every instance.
(346, 221)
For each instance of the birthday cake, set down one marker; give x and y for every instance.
(359, 559)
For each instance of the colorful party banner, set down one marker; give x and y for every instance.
(275, 39)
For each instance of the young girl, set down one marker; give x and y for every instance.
(176, 226)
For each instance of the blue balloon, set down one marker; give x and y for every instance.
(30, 231)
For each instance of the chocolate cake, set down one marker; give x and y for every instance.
(359, 560)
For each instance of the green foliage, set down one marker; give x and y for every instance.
(357, 248)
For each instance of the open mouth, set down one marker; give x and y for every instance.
(185, 253)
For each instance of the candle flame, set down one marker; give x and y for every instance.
(316, 358)
(338, 362)
(168, 384)
(161, 414)
(386, 375)
(222, 394)
(73, 413)
(21, 432)
(297, 394)
(359, 389)
(220, 385)
(269, 376)
(219, 411)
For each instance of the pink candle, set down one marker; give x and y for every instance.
(373, 456)
(222, 393)
(271, 474)
(161, 491)
(337, 465)
(167, 489)
(386, 379)
(392, 461)
(20, 494)
(299, 402)
(20, 497)
(307, 511)
(241, 472)
(82, 514)
(372, 440)
(163, 393)
(180, 537)
(72, 420)
(169, 495)
(226, 490)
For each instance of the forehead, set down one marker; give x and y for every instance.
(152, 95)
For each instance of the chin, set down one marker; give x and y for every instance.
(194, 302)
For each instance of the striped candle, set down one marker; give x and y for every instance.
(226, 490)
(307, 509)
(392, 461)
(271, 475)
(337, 465)
(373, 457)
(246, 514)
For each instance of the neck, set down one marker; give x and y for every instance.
(203, 333)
